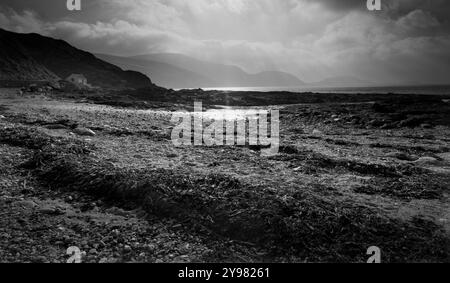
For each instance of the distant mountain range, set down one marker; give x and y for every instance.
(180, 71)
(342, 81)
(32, 57)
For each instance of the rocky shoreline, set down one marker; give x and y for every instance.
(108, 181)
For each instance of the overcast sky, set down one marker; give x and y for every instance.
(408, 41)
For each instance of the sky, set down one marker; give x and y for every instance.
(407, 42)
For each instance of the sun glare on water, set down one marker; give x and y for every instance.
(231, 114)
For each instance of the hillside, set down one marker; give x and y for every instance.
(181, 71)
(35, 57)
(162, 74)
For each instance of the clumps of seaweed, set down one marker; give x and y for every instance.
(411, 148)
(37, 140)
(295, 224)
(47, 148)
(342, 142)
(24, 137)
(151, 134)
(311, 162)
(289, 149)
(405, 188)
(3, 108)
(300, 225)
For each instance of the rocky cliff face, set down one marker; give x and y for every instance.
(35, 57)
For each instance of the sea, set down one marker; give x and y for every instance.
(429, 90)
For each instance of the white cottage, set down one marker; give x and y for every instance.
(77, 79)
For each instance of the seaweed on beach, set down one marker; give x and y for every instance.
(295, 224)
(312, 162)
(422, 187)
(36, 140)
(47, 148)
(300, 225)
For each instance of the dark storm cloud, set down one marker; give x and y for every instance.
(342, 5)
(53, 10)
(438, 8)
(393, 9)
(47, 9)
